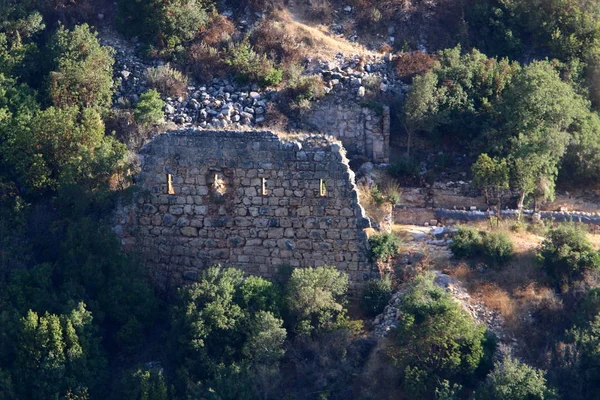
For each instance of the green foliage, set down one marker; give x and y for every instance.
(83, 69)
(49, 355)
(566, 254)
(144, 384)
(497, 247)
(384, 246)
(456, 98)
(250, 66)
(513, 380)
(149, 109)
(220, 320)
(540, 111)
(466, 242)
(574, 371)
(164, 23)
(490, 175)
(437, 339)
(315, 298)
(376, 295)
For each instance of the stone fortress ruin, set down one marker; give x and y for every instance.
(248, 199)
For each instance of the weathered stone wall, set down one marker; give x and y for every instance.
(219, 213)
(361, 129)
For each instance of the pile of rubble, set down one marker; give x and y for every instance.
(356, 74)
(221, 104)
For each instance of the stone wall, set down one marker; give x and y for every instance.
(245, 199)
(361, 129)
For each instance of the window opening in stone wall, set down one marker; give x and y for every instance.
(264, 187)
(219, 184)
(323, 188)
(170, 187)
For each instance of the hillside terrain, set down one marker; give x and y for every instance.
(286, 199)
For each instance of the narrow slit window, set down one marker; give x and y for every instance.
(170, 188)
(264, 187)
(323, 188)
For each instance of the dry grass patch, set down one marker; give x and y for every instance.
(295, 38)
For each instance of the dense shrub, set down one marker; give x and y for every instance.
(167, 80)
(497, 247)
(315, 298)
(165, 23)
(149, 109)
(376, 295)
(513, 380)
(82, 73)
(566, 254)
(466, 242)
(437, 339)
(384, 246)
(249, 66)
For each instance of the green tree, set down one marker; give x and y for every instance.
(566, 254)
(315, 297)
(456, 100)
(491, 176)
(221, 336)
(149, 109)
(83, 70)
(144, 384)
(436, 338)
(166, 23)
(513, 380)
(54, 354)
(574, 368)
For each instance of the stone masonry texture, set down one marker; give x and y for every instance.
(245, 199)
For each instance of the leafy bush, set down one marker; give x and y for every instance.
(250, 66)
(168, 81)
(466, 242)
(497, 247)
(315, 297)
(82, 73)
(437, 339)
(165, 23)
(376, 296)
(566, 254)
(149, 109)
(384, 246)
(144, 384)
(513, 380)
